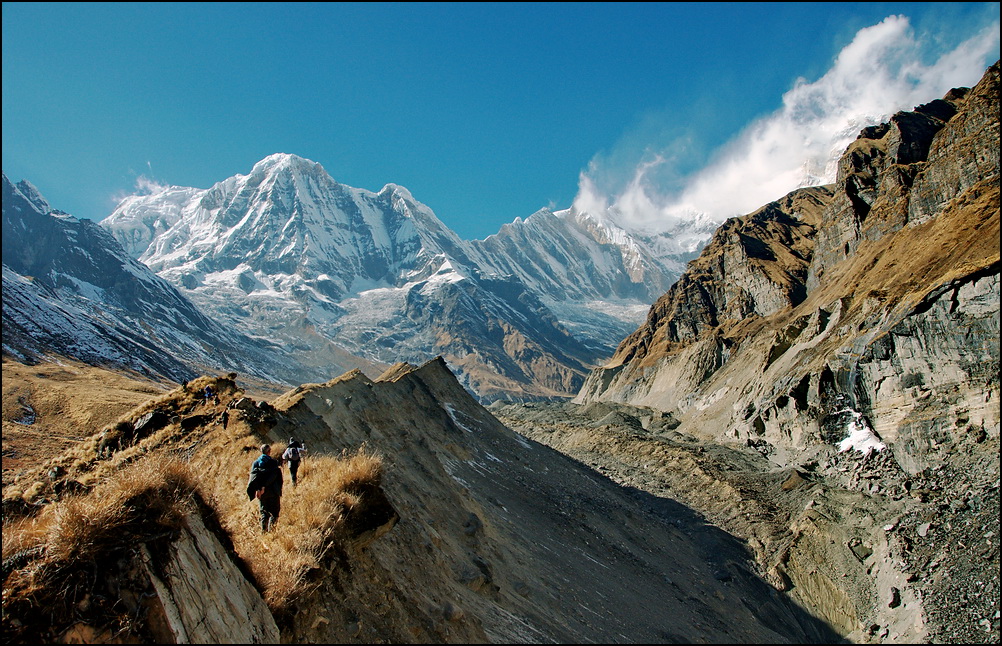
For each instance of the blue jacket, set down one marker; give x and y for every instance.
(265, 472)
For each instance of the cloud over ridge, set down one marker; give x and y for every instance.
(877, 74)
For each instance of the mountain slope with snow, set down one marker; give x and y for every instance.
(598, 278)
(69, 288)
(288, 254)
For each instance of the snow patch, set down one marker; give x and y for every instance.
(452, 414)
(861, 437)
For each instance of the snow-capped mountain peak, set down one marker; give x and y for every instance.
(69, 288)
(286, 250)
(30, 194)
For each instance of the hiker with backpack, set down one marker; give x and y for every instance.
(293, 455)
(265, 484)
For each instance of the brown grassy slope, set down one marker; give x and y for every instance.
(905, 267)
(84, 505)
(66, 402)
(51, 586)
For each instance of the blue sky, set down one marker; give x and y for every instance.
(486, 112)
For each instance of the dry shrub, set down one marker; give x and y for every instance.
(309, 525)
(52, 559)
(348, 473)
(148, 496)
(145, 495)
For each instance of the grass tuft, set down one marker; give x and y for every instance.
(147, 496)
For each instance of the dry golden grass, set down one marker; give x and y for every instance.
(66, 403)
(145, 488)
(147, 494)
(308, 527)
(67, 565)
(152, 495)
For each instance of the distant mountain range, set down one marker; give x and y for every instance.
(69, 289)
(304, 278)
(288, 254)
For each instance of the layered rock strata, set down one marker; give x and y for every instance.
(878, 295)
(850, 333)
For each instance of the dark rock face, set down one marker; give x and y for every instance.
(753, 267)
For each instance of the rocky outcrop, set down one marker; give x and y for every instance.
(865, 335)
(753, 267)
(879, 294)
(159, 578)
(201, 596)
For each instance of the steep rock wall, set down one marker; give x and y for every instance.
(202, 597)
(880, 295)
(887, 329)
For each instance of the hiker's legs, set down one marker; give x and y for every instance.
(293, 469)
(270, 507)
(265, 515)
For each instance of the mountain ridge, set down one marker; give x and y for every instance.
(70, 289)
(474, 534)
(286, 249)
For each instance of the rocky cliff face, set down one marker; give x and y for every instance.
(752, 268)
(850, 336)
(201, 595)
(879, 294)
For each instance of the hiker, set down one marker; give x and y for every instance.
(265, 484)
(208, 393)
(292, 455)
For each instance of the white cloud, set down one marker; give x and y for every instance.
(589, 198)
(879, 73)
(149, 186)
(143, 186)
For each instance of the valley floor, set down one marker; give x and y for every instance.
(916, 558)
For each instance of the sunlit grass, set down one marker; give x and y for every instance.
(153, 495)
(308, 526)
